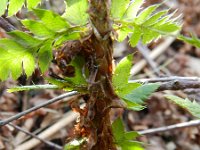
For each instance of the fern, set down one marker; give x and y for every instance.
(146, 26)
(192, 107)
(79, 9)
(13, 57)
(3, 6)
(51, 30)
(16, 5)
(133, 94)
(191, 40)
(22, 52)
(123, 139)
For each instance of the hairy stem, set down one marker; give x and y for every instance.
(101, 93)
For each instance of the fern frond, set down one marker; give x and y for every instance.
(148, 25)
(191, 106)
(49, 31)
(193, 40)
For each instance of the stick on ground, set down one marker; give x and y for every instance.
(154, 54)
(51, 144)
(171, 127)
(53, 100)
(145, 52)
(49, 132)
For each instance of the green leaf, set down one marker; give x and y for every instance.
(71, 147)
(77, 82)
(149, 35)
(142, 17)
(136, 36)
(15, 6)
(4, 70)
(31, 87)
(131, 135)
(131, 145)
(52, 20)
(78, 79)
(66, 37)
(124, 139)
(12, 46)
(140, 94)
(133, 105)
(13, 57)
(32, 3)
(121, 85)
(123, 33)
(38, 28)
(75, 144)
(122, 72)
(145, 26)
(193, 40)
(3, 6)
(126, 88)
(154, 18)
(132, 10)
(118, 8)
(28, 61)
(76, 11)
(45, 56)
(118, 130)
(162, 20)
(122, 91)
(62, 84)
(192, 107)
(167, 27)
(25, 39)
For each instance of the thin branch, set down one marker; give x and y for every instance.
(179, 85)
(50, 131)
(173, 83)
(53, 100)
(171, 127)
(53, 145)
(165, 79)
(6, 25)
(153, 55)
(145, 52)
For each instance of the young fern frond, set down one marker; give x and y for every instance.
(193, 40)
(191, 106)
(133, 94)
(148, 25)
(123, 139)
(51, 30)
(16, 5)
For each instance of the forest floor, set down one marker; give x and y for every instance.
(178, 59)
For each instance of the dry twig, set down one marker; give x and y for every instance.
(68, 118)
(174, 83)
(171, 127)
(165, 79)
(53, 100)
(145, 52)
(154, 54)
(53, 145)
